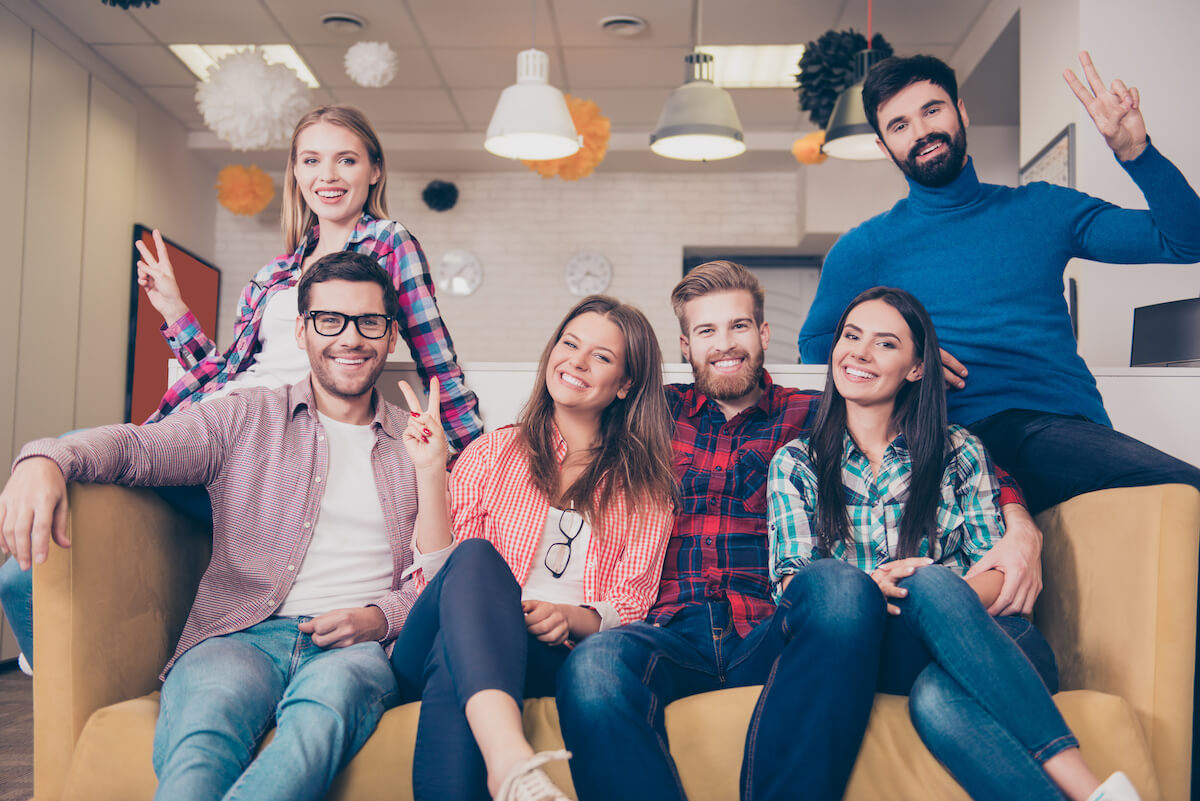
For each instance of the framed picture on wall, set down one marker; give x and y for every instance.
(149, 355)
(1054, 163)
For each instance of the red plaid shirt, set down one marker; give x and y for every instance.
(493, 498)
(264, 458)
(719, 550)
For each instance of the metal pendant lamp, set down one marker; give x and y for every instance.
(531, 120)
(848, 134)
(698, 121)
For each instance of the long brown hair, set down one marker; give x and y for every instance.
(633, 457)
(297, 219)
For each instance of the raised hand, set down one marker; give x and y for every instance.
(424, 438)
(157, 277)
(1116, 110)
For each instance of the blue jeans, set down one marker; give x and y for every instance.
(222, 696)
(979, 688)
(817, 658)
(16, 596)
(466, 633)
(1055, 457)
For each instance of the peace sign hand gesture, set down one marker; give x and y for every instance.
(157, 277)
(1116, 111)
(424, 438)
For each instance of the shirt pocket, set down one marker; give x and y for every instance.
(750, 479)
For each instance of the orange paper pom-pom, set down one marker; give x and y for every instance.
(244, 190)
(807, 149)
(595, 129)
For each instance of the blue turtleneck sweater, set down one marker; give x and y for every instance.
(987, 261)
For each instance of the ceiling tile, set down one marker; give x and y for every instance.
(772, 21)
(630, 109)
(328, 64)
(669, 23)
(935, 21)
(212, 22)
(94, 22)
(487, 66)
(477, 106)
(469, 23)
(180, 103)
(148, 65)
(625, 67)
(387, 21)
(768, 109)
(401, 109)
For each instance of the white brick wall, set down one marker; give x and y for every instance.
(524, 229)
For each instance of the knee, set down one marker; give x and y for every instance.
(834, 600)
(16, 585)
(940, 588)
(476, 560)
(594, 676)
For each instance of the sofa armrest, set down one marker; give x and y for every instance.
(1119, 608)
(107, 613)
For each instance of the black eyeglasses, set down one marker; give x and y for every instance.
(559, 554)
(331, 323)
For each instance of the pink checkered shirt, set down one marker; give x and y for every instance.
(264, 458)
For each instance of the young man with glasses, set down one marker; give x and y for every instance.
(715, 625)
(315, 509)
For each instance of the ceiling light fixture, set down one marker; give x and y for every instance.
(698, 121)
(754, 66)
(848, 134)
(531, 120)
(200, 58)
(623, 25)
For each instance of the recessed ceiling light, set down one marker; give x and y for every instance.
(342, 22)
(200, 58)
(755, 66)
(623, 25)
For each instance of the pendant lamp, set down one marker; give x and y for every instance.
(848, 134)
(531, 120)
(699, 121)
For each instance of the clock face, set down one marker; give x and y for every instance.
(459, 272)
(588, 273)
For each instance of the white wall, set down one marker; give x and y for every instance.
(524, 229)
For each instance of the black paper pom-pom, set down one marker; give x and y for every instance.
(129, 3)
(827, 68)
(440, 195)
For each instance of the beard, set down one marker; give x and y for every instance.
(345, 387)
(729, 387)
(941, 170)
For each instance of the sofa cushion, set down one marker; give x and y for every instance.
(112, 758)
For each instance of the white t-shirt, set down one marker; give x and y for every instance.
(349, 559)
(279, 360)
(567, 588)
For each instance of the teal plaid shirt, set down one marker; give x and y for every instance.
(968, 514)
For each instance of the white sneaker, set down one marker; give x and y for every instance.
(526, 781)
(1116, 787)
(24, 665)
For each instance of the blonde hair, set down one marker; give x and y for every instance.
(716, 276)
(297, 219)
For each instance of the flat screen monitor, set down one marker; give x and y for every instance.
(1166, 335)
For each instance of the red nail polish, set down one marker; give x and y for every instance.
(428, 433)
(415, 414)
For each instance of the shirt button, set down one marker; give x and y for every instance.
(307, 524)
(291, 567)
(320, 437)
(719, 468)
(271, 600)
(708, 540)
(317, 479)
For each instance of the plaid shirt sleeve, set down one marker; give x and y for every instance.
(423, 330)
(977, 492)
(791, 500)
(1009, 491)
(637, 571)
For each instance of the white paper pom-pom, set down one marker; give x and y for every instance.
(371, 64)
(251, 104)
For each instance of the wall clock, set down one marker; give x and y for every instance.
(459, 272)
(588, 273)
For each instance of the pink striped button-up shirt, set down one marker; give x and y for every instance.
(493, 497)
(264, 457)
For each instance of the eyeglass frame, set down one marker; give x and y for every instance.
(570, 541)
(346, 320)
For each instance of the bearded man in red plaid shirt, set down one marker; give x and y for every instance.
(315, 507)
(715, 625)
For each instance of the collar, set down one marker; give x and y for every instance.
(386, 417)
(314, 235)
(962, 191)
(850, 448)
(698, 399)
(560, 444)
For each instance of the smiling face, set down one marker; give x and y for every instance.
(724, 344)
(345, 367)
(586, 368)
(924, 133)
(874, 356)
(334, 172)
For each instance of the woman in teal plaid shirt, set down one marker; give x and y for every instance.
(889, 490)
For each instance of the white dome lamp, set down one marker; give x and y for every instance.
(698, 122)
(849, 135)
(531, 120)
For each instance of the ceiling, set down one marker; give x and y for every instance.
(456, 55)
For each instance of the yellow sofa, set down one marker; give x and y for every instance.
(1119, 608)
